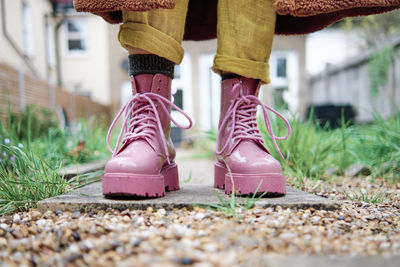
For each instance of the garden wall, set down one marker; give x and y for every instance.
(350, 83)
(19, 90)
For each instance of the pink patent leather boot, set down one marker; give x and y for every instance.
(243, 161)
(144, 165)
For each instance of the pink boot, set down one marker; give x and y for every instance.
(144, 166)
(240, 146)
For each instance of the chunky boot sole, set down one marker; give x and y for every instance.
(245, 184)
(141, 185)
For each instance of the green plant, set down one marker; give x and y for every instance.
(30, 123)
(189, 178)
(366, 197)
(378, 146)
(233, 207)
(310, 148)
(378, 67)
(204, 146)
(31, 179)
(375, 29)
(36, 130)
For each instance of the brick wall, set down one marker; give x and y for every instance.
(20, 90)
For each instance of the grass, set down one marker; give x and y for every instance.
(32, 151)
(32, 179)
(83, 142)
(37, 131)
(312, 149)
(233, 207)
(368, 197)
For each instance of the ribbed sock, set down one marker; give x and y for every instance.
(226, 76)
(150, 64)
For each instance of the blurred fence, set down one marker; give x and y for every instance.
(19, 90)
(350, 84)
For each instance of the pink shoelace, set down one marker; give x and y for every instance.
(242, 113)
(144, 120)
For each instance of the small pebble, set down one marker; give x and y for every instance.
(16, 218)
(76, 236)
(36, 215)
(185, 261)
(76, 215)
(206, 238)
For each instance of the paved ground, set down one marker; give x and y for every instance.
(193, 170)
(90, 198)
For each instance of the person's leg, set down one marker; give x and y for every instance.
(144, 165)
(245, 32)
(158, 32)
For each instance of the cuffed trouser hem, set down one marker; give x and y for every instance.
(150, 39)
(243, 67)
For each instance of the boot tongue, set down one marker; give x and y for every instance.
(249, 86)
(143, 83)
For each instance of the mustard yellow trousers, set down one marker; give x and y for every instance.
(245, 31)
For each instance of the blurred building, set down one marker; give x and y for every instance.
(44, 49)
(48, 39)
(342, 75)
(369, 83)
(25, 41)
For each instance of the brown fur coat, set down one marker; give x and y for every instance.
(294, 16)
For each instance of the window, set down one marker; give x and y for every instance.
(27, 29)
(76, 35)
(281, 68)
(178, 98)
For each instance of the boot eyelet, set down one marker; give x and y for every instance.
(159, 89)
(159, 80)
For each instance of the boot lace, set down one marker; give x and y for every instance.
(243, 120)
(142, 120)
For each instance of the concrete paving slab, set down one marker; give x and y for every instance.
(90, 198)
(74, 170)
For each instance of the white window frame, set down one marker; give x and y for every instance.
(82, 35)
(50, 43)
(210, 84)
(292, 79)
(27, 29)
(184, 82)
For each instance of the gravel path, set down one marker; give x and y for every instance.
(206, 238)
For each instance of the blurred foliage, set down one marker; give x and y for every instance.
(37, 130)
(32, 121)
(375, 29)
(378, 67)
